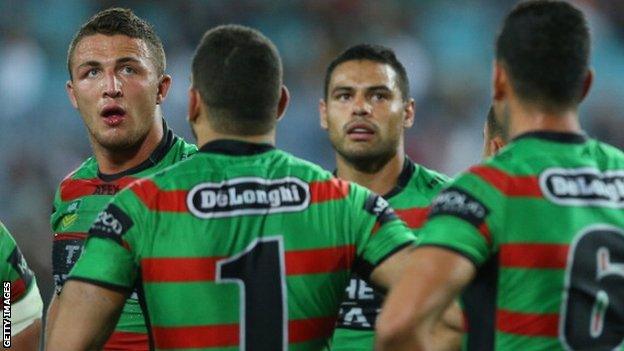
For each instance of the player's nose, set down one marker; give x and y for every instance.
(112, 85)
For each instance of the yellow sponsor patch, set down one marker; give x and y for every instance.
(68, 220)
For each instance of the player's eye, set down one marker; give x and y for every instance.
(342, 96)
(128, 70)
(92, 72)
(379, 97)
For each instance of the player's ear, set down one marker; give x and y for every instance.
(194, 104)
(496, 143)
(323, 113)
(500, 84)
(410, 110)
(69, 87)
(283, 102)
(163, 88)
(587, 83)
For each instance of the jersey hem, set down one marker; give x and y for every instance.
(109, 286)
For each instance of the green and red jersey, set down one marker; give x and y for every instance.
(546, 217)
(410, 198)
(242, 246)
(19, 285)
(80, 197)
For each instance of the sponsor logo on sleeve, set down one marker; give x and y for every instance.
(456, 202)
(583, 187)
(18, 262)
(380, 208)
(111, 223)
(248, 195)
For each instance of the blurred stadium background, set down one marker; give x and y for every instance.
(447, 47)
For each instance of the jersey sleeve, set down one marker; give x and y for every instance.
(381, 232)
(19, 280)
(464, 217)
(109, 257)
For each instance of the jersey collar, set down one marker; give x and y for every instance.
(560, 137)
(404, 177)
(409, 167)
(158, 154)
(236, 147)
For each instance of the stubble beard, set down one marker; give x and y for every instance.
(370, 160)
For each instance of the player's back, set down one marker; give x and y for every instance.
(559, 242)
(249, 246)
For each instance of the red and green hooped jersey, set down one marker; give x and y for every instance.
(242, 246)
(78, 200)
(355, 329)
(13, 267)
(546, 215)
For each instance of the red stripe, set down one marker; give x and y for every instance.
(196, 336)
(18, 288)
(508, 184)
(72, 189)
(332, 189)
(122, 341)
(530, 324)
(413, 217)
(70, 236)
(228, 334)
(332, 259)
(160, 200)
(180, 269)
(183, 269)
(533, 255)
(485, 232)
(309, 329)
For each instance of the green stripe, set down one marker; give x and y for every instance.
(544, 285)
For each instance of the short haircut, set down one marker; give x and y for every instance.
(238, 73)
(494, 128)
(544, 45)
(114, 21)
(375, 53)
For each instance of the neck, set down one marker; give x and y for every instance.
(116, 161)
(381, 181)
(524, 119)
(207, 135)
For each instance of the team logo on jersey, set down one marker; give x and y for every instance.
(456, 202)
(248, 195)
(111, 223)
(583, 186)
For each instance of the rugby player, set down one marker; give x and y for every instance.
(21, 291)
(547, 209)
(241, 246)
(366, 109)
(117, 83)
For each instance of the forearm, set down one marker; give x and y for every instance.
(86, 317)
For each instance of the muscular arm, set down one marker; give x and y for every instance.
(415, 306)
(446, 332)
(86, 316)
(51, 316)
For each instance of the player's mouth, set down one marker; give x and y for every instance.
(113, 115)
(360, 131)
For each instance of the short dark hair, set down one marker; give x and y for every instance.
(375, 53)
(544, 45)
(494, 128)
(238, 73)
(114, 21)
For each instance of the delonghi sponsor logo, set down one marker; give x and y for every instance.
(248, 195)
(583, 186)
(457, 202)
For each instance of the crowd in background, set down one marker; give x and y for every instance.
(446, 46)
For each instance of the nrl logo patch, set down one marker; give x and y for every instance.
(248, 195)
(583, 186)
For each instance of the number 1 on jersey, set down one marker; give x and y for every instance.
(260, 274)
